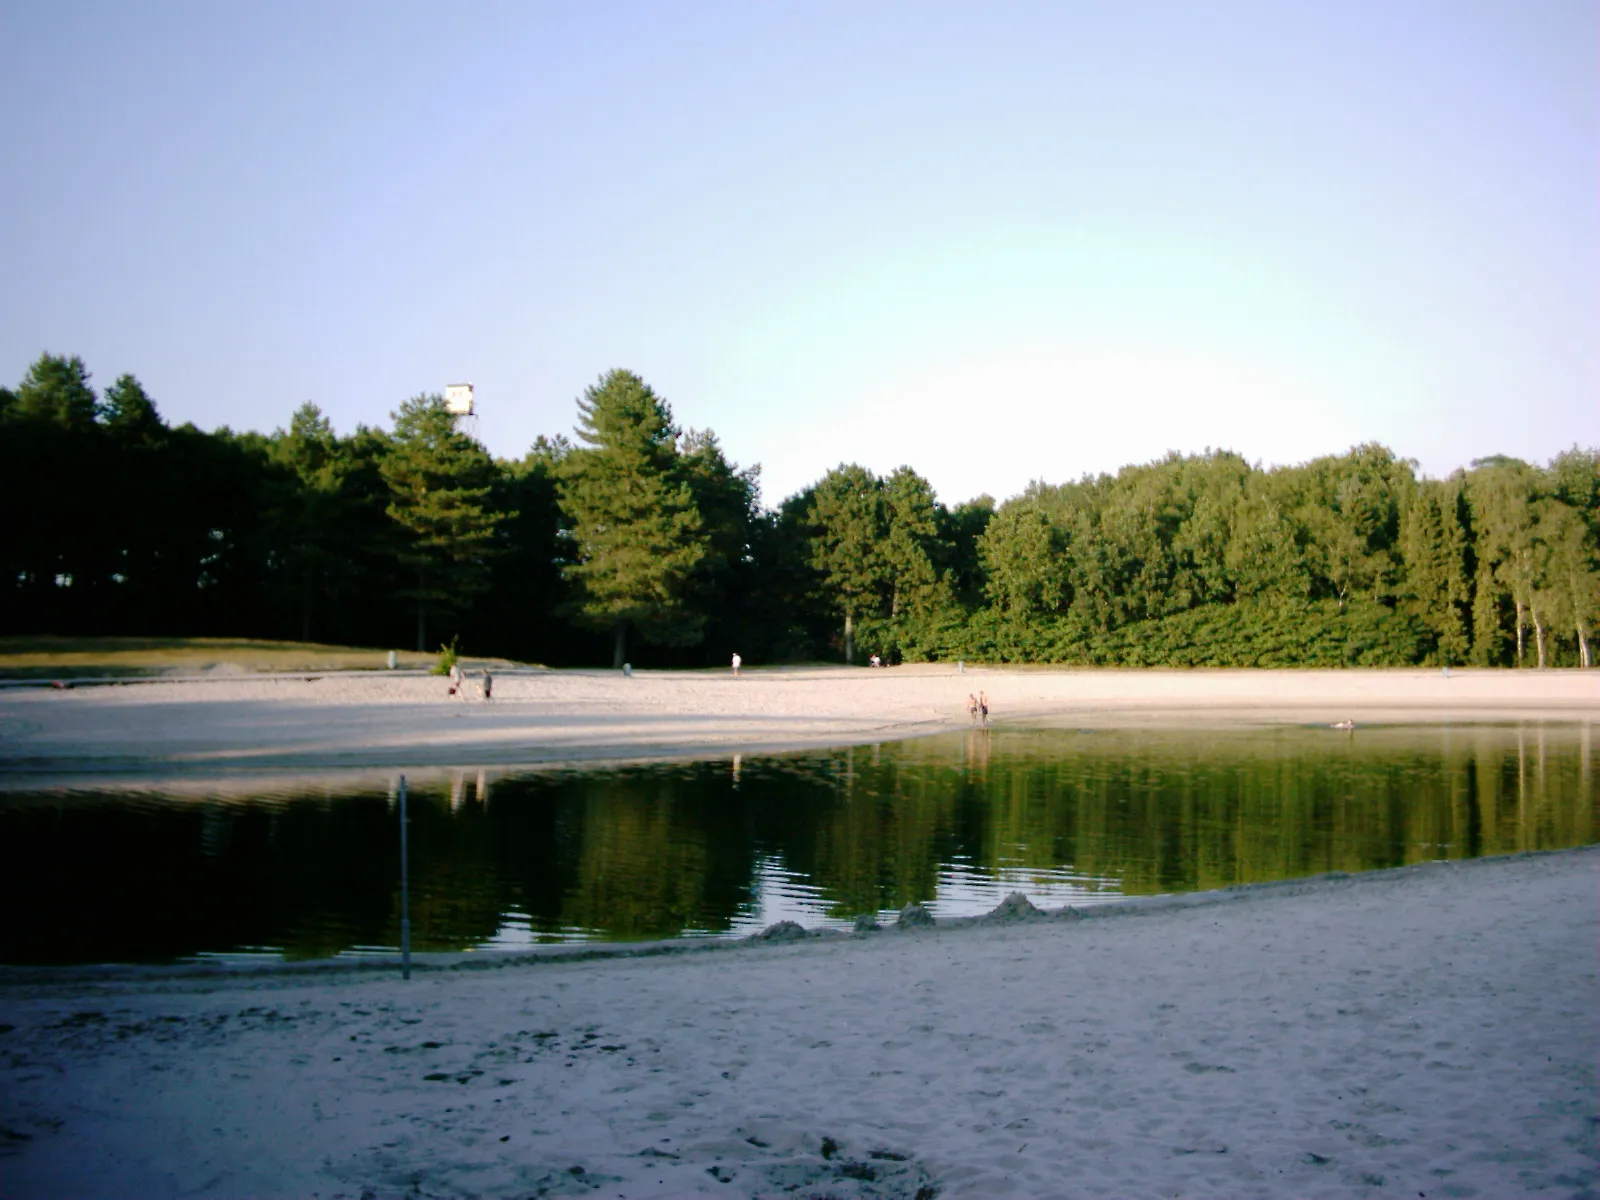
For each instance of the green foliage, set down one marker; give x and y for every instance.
(910, 543)
(1436, 585)
(1319, 633)
(1024, 561)
(449, 655)
(1250, 633)
(516, 613)
(328, 504)
(439, 482)
(728, 500)
(1190, 560)
(56, 389)
(847, 513)
(1567, 575)
(960, 531)
(637, 533)
(128, 412)
(789, 604)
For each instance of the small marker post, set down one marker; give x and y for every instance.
(405, 890)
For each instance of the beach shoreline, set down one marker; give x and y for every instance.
(1426, 1029)
(1421, 1030)
(356, 721)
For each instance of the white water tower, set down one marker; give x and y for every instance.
(460, 402)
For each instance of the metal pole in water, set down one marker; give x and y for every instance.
(405, 890)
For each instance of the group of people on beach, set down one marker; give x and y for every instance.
(978, 708)
(458, 683)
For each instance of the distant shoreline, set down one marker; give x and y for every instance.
(377, 721)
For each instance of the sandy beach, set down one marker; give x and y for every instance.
(1428, 1031)
(1422, 1032)
(365, 720)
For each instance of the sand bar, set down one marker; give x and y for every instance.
(1428, 1031)
(374, 720)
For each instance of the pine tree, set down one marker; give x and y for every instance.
(911, 543)
(1265, 556)
(1434, 547)
(637, 534)
(316, 519)
(728, 499)
(129, 414)
(439, 480)
(1023, 561)
(847, 512)
(57, 389)
(960, 529)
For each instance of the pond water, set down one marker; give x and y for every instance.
(724, 848)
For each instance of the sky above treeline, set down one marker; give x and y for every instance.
(997, 242)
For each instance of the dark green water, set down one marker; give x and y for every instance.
(722, 848)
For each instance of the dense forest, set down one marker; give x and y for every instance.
(639, 540)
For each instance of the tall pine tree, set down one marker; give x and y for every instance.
(637, 534)
(847, 512)
(1435, 549)
(439, 482)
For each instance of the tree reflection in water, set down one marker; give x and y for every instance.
(637, 853)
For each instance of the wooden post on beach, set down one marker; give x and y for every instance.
(405, 891)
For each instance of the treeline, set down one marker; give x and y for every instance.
(640, 541)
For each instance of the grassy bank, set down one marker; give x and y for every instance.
(43, 657)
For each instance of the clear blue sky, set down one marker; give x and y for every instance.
(995, 241)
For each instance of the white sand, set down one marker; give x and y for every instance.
(1430, 1031)
(378, 720)
(1424, 1032)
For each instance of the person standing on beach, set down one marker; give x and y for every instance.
(736, 661)
(972, 707)
(455, 681)
(983, 707)
(488, 685)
